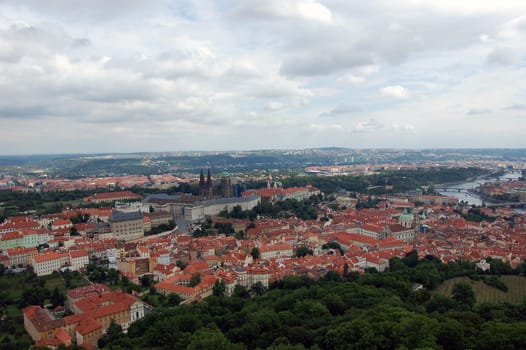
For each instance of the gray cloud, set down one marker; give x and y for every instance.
(502, 55)
(342, 110)
(88, 11)
(368, 125)
(248, 71)
(23, 112)
(322, 63)
(515, 107)
(478, 111)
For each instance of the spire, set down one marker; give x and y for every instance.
(208, 178)
(201, 178)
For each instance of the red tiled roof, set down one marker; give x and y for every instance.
(78, 253)
(87, 325)
(49, 256)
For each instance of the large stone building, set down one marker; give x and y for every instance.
(179, 284)
(108, 197)
(126, 226)
(274, 194)
(214, 189)
(45, 264)
(195, 208)
(199, 210)
(95, 308)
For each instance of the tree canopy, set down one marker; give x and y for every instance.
(370, 311)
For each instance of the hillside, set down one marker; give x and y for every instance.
(486, 294)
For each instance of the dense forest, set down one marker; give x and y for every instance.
(15, 203)
(370, 311)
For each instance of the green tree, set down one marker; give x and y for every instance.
(57, 298)
(219, 289)
(240, 291)
(450, 335)
(352, 335)
(36, 295)
(463, 294)
(211, 339)
(255, 253)
(302, 251)
(258, 288)
(174, 299)
(113, 332)
(113, 276)
(332, 275)
(195, 279)
(499, 335)
(417, 331)
(73, 231)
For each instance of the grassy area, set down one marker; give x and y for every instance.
(70, 203)
(13, 311)
(14, 284)
(12, 288)
(55, 280)
(485, 294)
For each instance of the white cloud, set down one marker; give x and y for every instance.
(368, 126)
(314, 10)
(300, 73)
(342, 110)
(404, 128)
(395, 91)
(278, 10)
(275, 106)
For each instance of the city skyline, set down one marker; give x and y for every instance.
(135, 76)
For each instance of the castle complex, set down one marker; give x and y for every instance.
(208, 189)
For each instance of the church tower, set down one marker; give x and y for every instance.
(209, 186)
(201, 179)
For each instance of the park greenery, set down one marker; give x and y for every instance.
(370, 311)
(306, 209)
(161, 228)
(397, 309)
(474, 214)
(18, 290)
(381, 182)
(15, 203)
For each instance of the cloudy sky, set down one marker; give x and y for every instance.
(158, 75)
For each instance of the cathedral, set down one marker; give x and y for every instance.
(218, 189)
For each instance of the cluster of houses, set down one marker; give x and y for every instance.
(507, 190)
(351, 240)
(91, 310)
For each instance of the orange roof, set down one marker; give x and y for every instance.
(61, 222)
(106, 303)
(88, 346)
(197, 266)
(87, 325)
(63, 336)
(11, 235)
(21, 250)
(114, 195)
(170, 285)
(49, 256)
(78, 253)
(275, 247)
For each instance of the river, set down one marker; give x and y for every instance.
(461, 190)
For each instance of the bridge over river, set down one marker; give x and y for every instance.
(464, 191)
(505, 204)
